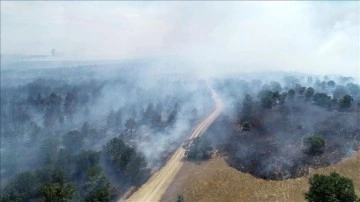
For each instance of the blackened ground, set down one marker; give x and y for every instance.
(273, 149)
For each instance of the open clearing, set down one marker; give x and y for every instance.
(214, 180)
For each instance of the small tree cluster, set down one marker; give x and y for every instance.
(345, 102)
(198, 149)
(314, 144)
(324, 188)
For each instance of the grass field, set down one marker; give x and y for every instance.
(214, 180)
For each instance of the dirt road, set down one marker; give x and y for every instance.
(156, 186)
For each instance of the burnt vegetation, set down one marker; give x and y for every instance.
(279, 129)
(77, 134)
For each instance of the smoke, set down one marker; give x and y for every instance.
(215, 37)
(141, 71)
(273, 148)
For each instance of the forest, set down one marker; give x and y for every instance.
(278, 129)
(84, 135)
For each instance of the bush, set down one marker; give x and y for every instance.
(345, 102)
(198, 149)
(246, 126)
(314, 145)
(334, 187)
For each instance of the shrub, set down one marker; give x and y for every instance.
(246, 126)
(198, 149)
(314, 144)
(334, 187)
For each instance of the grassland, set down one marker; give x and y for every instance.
(214, 180)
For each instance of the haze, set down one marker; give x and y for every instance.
(311, 37)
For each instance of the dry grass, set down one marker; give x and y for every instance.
(214, 180)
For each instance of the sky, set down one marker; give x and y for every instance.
(304, 36)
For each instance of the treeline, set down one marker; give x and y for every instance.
(269, 98)
(83, 138)
(71, 173)
(341, 93)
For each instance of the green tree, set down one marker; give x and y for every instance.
(267, 98)
(21, 188)
(322, 99)
(331, 188)
(331, 83)
(125, 160)
(57, 192)
(291, 94)
(309, 93)
(180, 198)
(130, 125)
(198, 149)
(97, 186)
(314, 144)
(345, 102)
(85, 160)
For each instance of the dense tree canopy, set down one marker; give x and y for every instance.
(333, 187)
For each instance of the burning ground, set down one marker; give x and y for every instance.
(268, 142)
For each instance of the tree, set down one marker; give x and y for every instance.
(125, 160)
(314, 144)
(309, 93)
(282, 97)
(291, 94)
(301, 91)
(198, 149)
(267, 98)
(57, 192)
(21, 188)
(136, 169)
(86, 160)
(97, 186)
(172, 117)
(322, 99)
(266, 102)
(246, 126)
(331, 83)
(247, 106)
(180, 198)
(340, 91)
(324, 188)
(130, 125)
(345, 102)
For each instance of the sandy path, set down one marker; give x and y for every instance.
(156, 186)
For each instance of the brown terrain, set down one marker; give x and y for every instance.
(156, 186)
(215, 180)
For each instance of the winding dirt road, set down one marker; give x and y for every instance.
(156, 186)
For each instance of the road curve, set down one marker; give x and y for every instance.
(156, 186)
